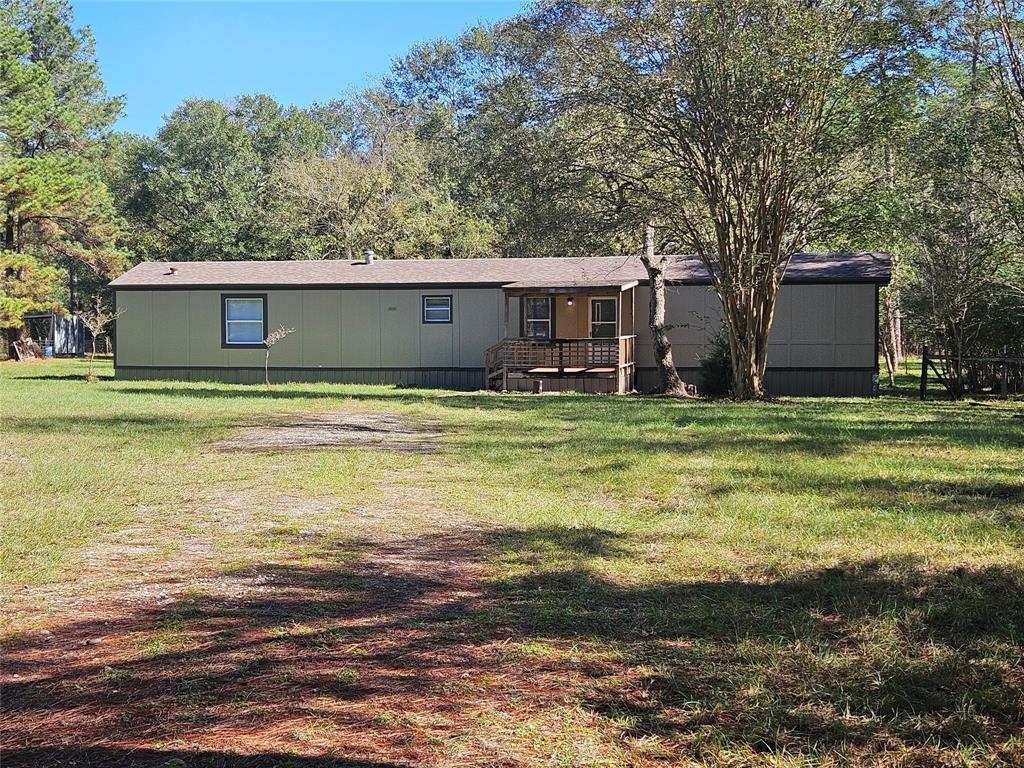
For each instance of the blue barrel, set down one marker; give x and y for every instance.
(48, 350)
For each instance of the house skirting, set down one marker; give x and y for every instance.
(798, 382)
(466, 379)
(591, 385)
(835, 382)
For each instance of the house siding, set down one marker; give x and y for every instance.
(826, 326)
(336, 329)
(822, 341)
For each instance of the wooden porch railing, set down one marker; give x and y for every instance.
(560, 357)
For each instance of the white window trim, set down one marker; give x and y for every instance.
(261, 322)
(447, 306)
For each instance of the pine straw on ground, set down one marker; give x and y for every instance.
(369, 646)
(373, 648)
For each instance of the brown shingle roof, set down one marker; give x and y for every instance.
(603, 270)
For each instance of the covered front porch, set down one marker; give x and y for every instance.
(578, 337)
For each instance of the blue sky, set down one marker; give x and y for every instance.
(157, 54)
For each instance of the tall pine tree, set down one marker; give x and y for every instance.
(57, 215)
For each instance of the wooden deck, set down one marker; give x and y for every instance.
(581, 365)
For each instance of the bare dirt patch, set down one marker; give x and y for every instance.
(338, 429)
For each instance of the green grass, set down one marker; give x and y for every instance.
(813, 582)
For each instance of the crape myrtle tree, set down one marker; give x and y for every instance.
(742, 111)
(97, 318)
(57, 216)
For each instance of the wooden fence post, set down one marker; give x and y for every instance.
(924, 372)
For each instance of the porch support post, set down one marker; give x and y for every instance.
(505, 294)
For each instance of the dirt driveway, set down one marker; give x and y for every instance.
(368, 644)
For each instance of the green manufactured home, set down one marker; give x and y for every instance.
(519, 324)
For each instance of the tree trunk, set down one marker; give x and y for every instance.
(266, 368)
(748, 312)
(669, 381)
(72, 287)
(956, 355)
(747, 373)
(892, 328)
(9, 233)
(889, 355)
(889, 333)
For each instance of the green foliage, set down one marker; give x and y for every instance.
(202, 189)
(507, 151)
(54, 208)
(963, 288)
(26, 286)
(255, 180)
(716, 367)
(375, 189)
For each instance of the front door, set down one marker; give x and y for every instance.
(603, 318)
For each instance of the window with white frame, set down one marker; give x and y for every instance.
(603, 324)
(537, 317)
(244, 320)
(437, 309)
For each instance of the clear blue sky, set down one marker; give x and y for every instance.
(157, 54)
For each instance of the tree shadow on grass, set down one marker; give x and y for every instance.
(618, 427)
(383, 652)
(64, 377)
(823, 427)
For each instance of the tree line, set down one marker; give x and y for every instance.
(739, 131)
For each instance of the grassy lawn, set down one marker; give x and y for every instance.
(564, 580)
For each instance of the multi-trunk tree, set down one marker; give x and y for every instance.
(737, 114)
